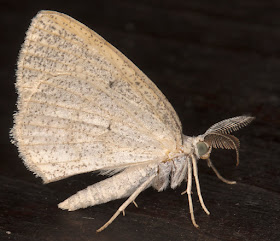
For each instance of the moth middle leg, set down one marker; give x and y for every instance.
(195, 173)
(189, 192)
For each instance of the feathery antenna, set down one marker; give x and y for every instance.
(229, 125)
(218, 135)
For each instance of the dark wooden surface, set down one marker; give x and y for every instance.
(213, 60)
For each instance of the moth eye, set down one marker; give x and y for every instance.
(201, 148)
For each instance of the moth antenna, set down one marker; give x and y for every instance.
(218, 135)
(229, 125)
(224, 141)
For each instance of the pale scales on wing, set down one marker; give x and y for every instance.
(83, 106)
(69, 77)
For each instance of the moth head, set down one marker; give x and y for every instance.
(218, 136)
(202, 148)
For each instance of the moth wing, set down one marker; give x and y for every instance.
(83, 106)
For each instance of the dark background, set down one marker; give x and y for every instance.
(213, 60)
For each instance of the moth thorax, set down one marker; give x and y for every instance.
(187, 144)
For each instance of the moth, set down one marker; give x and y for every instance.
(84, 107)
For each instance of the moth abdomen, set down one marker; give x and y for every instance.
(118, 186)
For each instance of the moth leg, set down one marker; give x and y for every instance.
(189, 192)
(141, 188)
(135, 204)
(210, 164)
(195, 173)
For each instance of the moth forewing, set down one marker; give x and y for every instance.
(85, 110)
(83, 107)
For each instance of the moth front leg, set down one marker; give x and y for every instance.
(210, 164)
